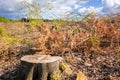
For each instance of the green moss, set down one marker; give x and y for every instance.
(54, 76)
(63, 66)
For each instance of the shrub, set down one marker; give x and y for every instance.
(2, 19)
(93, 41)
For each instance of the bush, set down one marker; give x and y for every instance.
(2, 19)
(93, 41)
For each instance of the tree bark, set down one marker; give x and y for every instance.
(40, 67)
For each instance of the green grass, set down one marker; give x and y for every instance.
(4, 34)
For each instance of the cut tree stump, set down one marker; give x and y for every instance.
(39, 67)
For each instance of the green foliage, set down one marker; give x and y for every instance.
(63, 66)
(15, 41)
(54, 76)
(2, 19)
(107, 18)
(89, 17)
(118, 54)
(9, 39)
(58, 23)
(4, 34)
(37, 23)
(93, 41)
(27, 42)
(34, 10)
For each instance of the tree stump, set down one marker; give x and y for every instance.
(40, 67)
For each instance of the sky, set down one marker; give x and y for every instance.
(15, 9)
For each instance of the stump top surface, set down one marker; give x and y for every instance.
(40, 58)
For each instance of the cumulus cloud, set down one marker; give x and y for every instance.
(90, 9)
(61, 8)
(111, 3)
(58, 7)
(111, 6)
(10, 9)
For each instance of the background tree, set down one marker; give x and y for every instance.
(33, 9)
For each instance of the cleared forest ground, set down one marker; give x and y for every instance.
(91, 46)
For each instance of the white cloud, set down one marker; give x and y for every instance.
(61, 7)
(58, 7)
(111, 6)
(111, 3)
(9, 8)
(30, 1)
(85, 10)
(77, 6)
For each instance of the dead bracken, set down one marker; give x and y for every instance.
(89, 47)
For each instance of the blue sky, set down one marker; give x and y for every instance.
(96, 3)
(59, 8)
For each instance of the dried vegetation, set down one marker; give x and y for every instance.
(72, 40)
